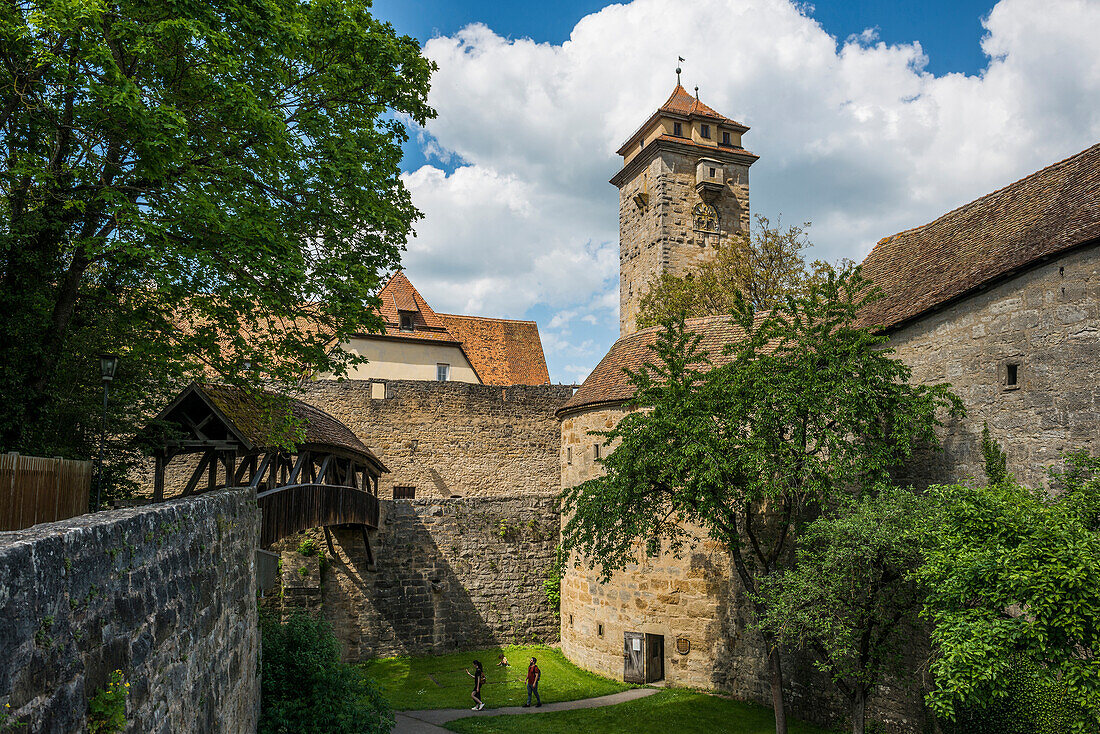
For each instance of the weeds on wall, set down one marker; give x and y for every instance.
(107, 708)
(7, 723)
(552, 582)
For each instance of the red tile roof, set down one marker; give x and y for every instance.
(609, 385)
(502, 351)
(400, 295)
(682, 103)
(993, 237)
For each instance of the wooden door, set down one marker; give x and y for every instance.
(654, 658)
(634, 657)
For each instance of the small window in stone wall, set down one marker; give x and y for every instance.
(599, 630)
(570, 620)
(569, 456)
(596, 450)
(1012, 376)
(404, 493)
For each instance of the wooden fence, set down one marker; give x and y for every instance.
(34, 490)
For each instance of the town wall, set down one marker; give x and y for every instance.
(1046, 321)
(447, 574)
(164, 593)
(449, 438)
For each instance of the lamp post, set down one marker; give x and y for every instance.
(108, 365)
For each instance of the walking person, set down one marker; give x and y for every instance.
(479, 677)
(533, 676)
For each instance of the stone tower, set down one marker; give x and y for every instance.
(683, 189)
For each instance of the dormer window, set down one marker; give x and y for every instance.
(406, 320)
(704, 131)
(726, 139)
(677, 129)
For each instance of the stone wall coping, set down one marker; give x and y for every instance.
(92, 520)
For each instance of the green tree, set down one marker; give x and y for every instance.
(850, 599)
(306, 689)
(1014, 576)
(806, 403)
(763, 267)
(200, 186)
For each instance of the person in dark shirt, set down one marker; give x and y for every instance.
(533, 676)
(479, 677)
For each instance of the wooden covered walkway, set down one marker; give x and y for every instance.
(309, 470)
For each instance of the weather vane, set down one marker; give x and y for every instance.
(680, 59)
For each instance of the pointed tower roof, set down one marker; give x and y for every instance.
(680, 102)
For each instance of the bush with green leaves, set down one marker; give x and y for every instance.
(1014, 574)
(1031, 705)
(306, 689)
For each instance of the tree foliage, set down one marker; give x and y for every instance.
(1015, 575)
(804, 404)
(850, 598)
(197, 185)
(762, 267)
(305, 687)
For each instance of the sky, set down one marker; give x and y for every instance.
(868, 117)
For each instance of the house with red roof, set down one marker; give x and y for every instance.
(420, 344)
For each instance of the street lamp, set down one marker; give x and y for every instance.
(108, 366)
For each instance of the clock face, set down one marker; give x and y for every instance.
(704, 218)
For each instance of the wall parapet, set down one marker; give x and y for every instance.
(165, 593)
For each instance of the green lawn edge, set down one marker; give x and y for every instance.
(438, 681)
(690, 711)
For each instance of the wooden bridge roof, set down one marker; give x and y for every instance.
(260, 421)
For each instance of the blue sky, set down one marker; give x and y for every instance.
(869, 117)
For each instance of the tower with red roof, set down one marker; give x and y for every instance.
(683, 189)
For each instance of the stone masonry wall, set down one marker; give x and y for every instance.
(1047, 321)
(448, 574)
(451, 438)
(659, 236)
(166, 594)
(697, 597)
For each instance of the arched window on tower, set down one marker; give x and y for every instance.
(704, 218)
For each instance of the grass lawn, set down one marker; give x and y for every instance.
(674, 710)
(438, 682)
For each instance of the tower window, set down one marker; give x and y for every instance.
(726, 139)
(704, 218)
(569, 455)
(599, 630)
(442, 372)
(596, 450)
(712, 173)
(406, 321)
(404, 493)
(704, 131)
(1012, 376)
(677, 129)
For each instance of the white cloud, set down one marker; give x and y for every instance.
(855, 136)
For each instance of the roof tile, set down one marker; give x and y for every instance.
(1038, 216)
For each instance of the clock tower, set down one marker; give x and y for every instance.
(683, 189)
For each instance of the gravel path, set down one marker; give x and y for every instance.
(428, 721)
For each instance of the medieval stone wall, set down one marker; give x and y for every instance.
(448, 574)
(450, 438)
(166, 594)
(1046, 321)
(659, 236)
(696, 598)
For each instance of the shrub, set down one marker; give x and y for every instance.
(552, 582)
(107, 708)
(306, 689)
(1031, 706)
